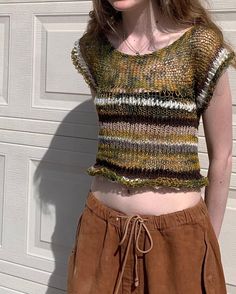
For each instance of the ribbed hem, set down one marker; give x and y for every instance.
(141, 182)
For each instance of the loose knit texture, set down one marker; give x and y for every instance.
(149, 106)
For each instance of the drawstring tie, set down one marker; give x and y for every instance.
(137, 225)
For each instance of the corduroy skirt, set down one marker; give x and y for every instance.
(173, 253)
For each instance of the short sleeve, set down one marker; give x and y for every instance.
(212, 58)
(81, 62)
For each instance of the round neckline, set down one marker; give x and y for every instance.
(156, 52)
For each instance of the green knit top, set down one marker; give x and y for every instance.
(149, 106)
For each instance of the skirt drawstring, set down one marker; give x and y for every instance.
(137, 223)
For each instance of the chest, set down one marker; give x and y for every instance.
(164, 71)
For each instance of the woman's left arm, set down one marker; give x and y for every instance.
(217, 124)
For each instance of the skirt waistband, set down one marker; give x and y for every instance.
(189, 215)
(135, 225)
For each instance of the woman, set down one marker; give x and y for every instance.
(154, 68)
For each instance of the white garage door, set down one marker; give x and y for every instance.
(48, 136)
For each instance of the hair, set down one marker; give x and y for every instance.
(104, 18)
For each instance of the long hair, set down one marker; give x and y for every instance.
(103, 17)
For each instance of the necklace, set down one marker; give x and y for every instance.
(137, 52)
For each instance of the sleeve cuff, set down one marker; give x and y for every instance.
(219, 65)
(81, 65)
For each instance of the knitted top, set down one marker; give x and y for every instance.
(149, 106)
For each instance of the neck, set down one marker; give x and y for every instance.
(141, 20)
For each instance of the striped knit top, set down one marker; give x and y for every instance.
(149, 106)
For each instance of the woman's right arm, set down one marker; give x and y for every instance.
(93, 93)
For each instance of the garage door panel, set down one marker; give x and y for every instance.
(48, 137)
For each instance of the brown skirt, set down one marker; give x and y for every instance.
(173, 253)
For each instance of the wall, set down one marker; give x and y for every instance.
(48, 136)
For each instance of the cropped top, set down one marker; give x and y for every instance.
(149, 106)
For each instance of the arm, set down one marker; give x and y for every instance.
(93, 93)
(217, 123)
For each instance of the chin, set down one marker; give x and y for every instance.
(123, 5)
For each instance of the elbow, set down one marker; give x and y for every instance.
(225, 153)
(224, 158)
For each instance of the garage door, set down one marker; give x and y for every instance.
(48, 137)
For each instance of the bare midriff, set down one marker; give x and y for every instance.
(143, 200)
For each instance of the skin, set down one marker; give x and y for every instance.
(139, 21)
(218, 132)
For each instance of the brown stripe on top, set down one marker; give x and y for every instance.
(143, 173)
